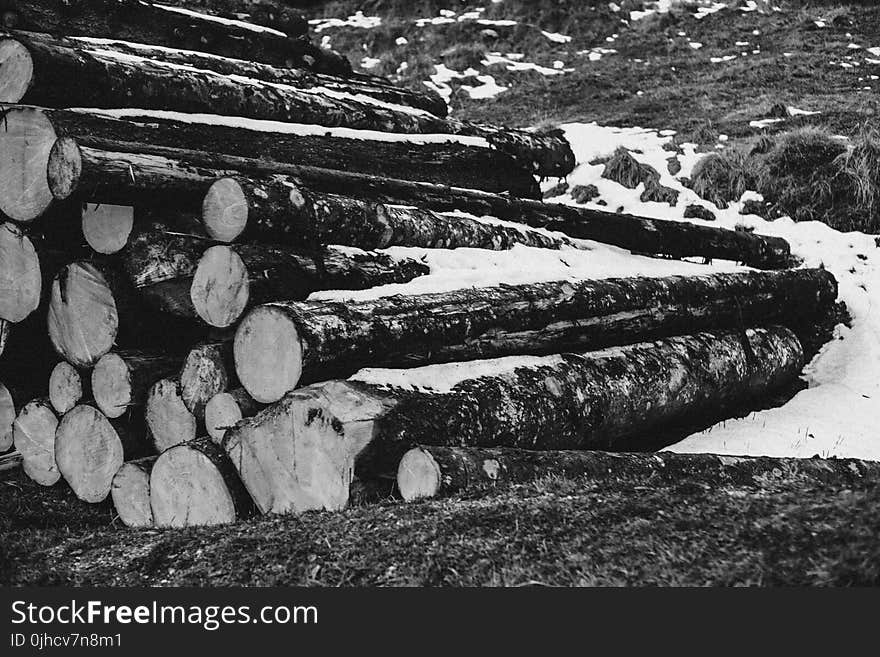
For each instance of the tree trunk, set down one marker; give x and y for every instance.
(275, 209)
(430, 471)
(266, 13)
(207, 371)
(66, 387)
(26, 138)
(130, 492)
(122, 379)
(111, 80)
(10, 461)
(89, 450)
(195, 484)
(168, 418)
(144, 22)
(225, 409)
(21, 278)
(279, 344)
(7, 418)
(300, 453)
(34, 437)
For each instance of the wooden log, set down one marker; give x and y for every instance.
(168, 419)
(7, 418)
(279, 344)
(21, 278)
(195, 484)
(301, 453)
(65, 387)
(5, 330)
(10, 461)
(169, 27)
(26, 138)
(115, 79)
(107, 227)
(130, 492)
(225, 409)
(207, 371)
(431, 471)
(122, 379)
(277, 210)
(266, 13)
(89, 450)
(34, 437)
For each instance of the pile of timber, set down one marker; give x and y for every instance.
(166, 215)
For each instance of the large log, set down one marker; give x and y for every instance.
(279, 344)
(170, 27)
(276, 209)
(266, 13)
(225, 409)
(65, 387)
(301, 453)
(7, 418)
(21, 278)
(130, 491)
(194, 484)
(122, 379)
(111, 79)
(168, 419)
(34, 437)
(431, 471)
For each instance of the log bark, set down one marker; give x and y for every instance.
(66, 387)
(21, 278)
(431, 471)
(7, 418)
(130, 492)
(109, 79)
(26, 138)
(207, 371)
(301, 453)
(122, 379)
(89, 450)
(34, 437)
(276, 209)
(168, 418)
(150, 23)
(266, 13)
(10, 461)
(195, 484)
(278, 345)
(225, 409)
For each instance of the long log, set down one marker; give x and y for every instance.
(65, 387)
(122, 379)
(225, 409)
(195, 484)
(7, 418)
(89, 450)
(266, 13)
(168, 419)
(280, 344)
(21, 279)
(208, 370)
(34, 437)
(301, 453)
(431, 471)
(130, 491)
(137, 21)
(110, 79)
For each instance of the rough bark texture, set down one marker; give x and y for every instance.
(431, 471)
(34, 437)
(143, 22)
(195, 484)
(21, 278)
(110, 80)
(168, 419)
(207, 371)
(122, 379)
(300, 453)
(130, 492)
(267, 13)
(278, 345)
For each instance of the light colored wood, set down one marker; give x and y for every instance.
(20, 274)
(225, 409)
(225, 210)
(130, 492)
(7, 418)
(25, 142)
(65, 387)
(169, 420)
(34, 436)
(89, 452)
(220, 289)
(122, 379)
(107, 227)
(16, 71)
(207, 370)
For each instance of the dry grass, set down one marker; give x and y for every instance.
(723, 177)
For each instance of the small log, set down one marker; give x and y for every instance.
(130, 492)
(21, 278)
(207, 371)
(26, 139)
(34, 436)
(168, 419)
(107, 227)
(225, 409)
(90, 449)
(301, 453)
(65, 387)
(279, 344)
(122, 379)
(7, 418)
(195, 484)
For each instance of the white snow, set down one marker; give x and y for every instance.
(357, 20)
(443, 75)
(511, 65)
(555, 37)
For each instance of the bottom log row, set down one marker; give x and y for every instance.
(468, 427)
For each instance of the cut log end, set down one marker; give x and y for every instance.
(26, 138)
(204, 375)
(225, 210)
(220, 288)
(34, 437)
(20, 277)
(107, 227)
(64, 168)
(89, 452)
(7, 418)
(168, 418)
(111, 385)
(16, 71)
(65, 387)
(418, 475)
(130, 492)
(221, 413)
(268, 354)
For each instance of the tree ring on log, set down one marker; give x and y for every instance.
(225, 210)
(34, 432)
(220, 289)
(168, 418)
(89, 452)
(268, 354)
(26, 138)
(130, 492)
(20, 276)
(107, 227)
(64, 168)
(65, 387)
(111, 385)
(16, 71)
(418, 475)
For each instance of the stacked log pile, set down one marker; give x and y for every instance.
(176, 180)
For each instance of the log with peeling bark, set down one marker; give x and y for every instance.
(66, 387)
(208, 370)
(276, 209)
(137, 21)
(431, 471)
(57, 74)
(21, 279)
(266, 13)
(122, 379)
(279, 344)
(130, 492)
(225, 409)
(90, 449)
(195, 484)
(7, 418)
(34, 436)
(168, 419)
(301, 452)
